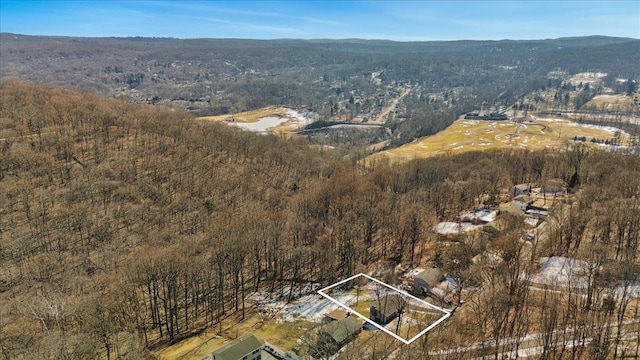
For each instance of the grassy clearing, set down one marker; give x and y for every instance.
(283, 335)
(618, 102)
(472, 135)
(248, 116)
(286, 128)
(363, 307)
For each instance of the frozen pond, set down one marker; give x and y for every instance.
(262, 125)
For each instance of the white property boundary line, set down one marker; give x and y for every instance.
(444, 317)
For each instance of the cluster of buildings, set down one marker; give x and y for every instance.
(490, 116)
(338, 329)
(535, 202)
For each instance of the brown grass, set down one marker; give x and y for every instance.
(472, 135)
(283, 335)
(248, 116)
(618, 102)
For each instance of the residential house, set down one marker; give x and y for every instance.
(246, 347)
(428, 279)
(522, 202)
(521, 189)
(512, 209)
(389, 307)
(336, 334)
(554, 187)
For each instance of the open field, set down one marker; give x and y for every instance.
(248, 116)
(469, 135)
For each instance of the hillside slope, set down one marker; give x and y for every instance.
(125, 228)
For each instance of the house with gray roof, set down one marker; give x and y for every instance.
(522, 202)
(246, 347)
(521, 189)
(428, 279)
(388, 308)
(336, 334)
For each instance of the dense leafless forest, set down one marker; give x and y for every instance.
(124, 227)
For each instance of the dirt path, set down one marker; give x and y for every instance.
(382, 118)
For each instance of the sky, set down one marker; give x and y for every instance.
(390, 20)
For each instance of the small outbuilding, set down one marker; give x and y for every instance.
(335, 315)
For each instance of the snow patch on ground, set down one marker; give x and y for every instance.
(262, 125)
(561, 271)
(448, 286)
(485, 215)
(412, 273)
(312, 307)
(447, 227)
(591, 78)
(633, 290)
(609, 129)
(303, 119)
(606, 97)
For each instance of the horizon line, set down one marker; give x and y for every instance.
(313, 39)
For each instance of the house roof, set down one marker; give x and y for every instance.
(390, 304)
(337, 314)
(431, 276)
(342, 329)
(524, 187)
(238, 348)
(510, 210)
(554, 185)
(523, 198)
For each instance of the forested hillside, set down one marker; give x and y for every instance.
(124, 227)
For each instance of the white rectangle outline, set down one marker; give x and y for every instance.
(444, 317)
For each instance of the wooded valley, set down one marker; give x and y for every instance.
(338, 79)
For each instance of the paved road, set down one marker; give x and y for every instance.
(382, 118)
(531, 344)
